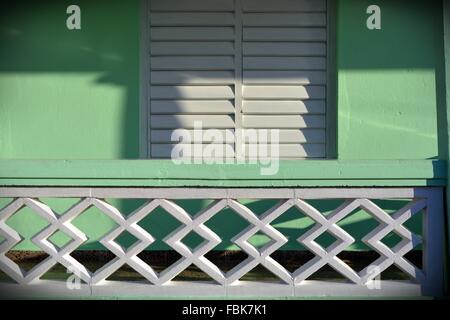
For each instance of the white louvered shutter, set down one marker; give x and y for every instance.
(250, 64)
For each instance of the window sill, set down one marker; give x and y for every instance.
(161, 173)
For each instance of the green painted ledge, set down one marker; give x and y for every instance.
(161, 173)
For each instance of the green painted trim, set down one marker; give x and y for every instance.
(331, 104)
(144, 85)
(166, 173)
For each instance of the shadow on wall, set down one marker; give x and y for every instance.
(391, 82)
(69, 94)
(75, 94)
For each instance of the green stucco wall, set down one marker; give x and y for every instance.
(75, 94)
(389, 80)
(69, 94)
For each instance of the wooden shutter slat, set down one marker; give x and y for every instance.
(284, 92)
(180, 48)
(192, 92)
(284, 34)
(192, 33)
(202, 52)
(289, 150)
(192, 77)
(188, 121)
(192, 106)
(295, 136)
(283, 106)
(284, 63)
(192, 63)
(285, 77)
(283, 5)
(284, 49)
(192, 19)
(285, 19)
(165, 136)
(283, 121)
(192, 5)
(165, 150)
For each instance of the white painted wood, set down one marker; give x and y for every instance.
(192, 92)
(284, 34)
(165, 136)
(217, 150)
(193, 70)
(297, 136)
(240, 64)
(285, 77)
(284, 5)
(238, 72)
(211, 193)
(285, 63)
(192, 48)
(285, 19)
(194, 19)
(192, 106)
(192, 33)
(288, 121)
(284, 92)
(284, 107)
(192, 77)
(288, 150)
(308, 288)
(193, 5)
(189, 121)
(282, 49)
(192, 63)
(429, 200)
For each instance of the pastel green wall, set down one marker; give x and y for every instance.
(69, 94)
(75, 94)
(389, 81)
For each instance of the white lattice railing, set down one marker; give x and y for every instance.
(425, 280)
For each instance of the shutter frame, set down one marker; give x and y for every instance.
(300, 69)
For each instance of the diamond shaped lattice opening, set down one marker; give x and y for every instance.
(159, 223)
(60, 273)
(93, 260)
(227, 224)
(159, 260)
(192, 240)
(127, 273)
(126, 206)
(325, 240)
(258, 207)
(193, 274)
(359, 223)
(59, 239)
(293, 223)
(35, 224)
(260, 240)
(261, 274)
(19, 242)
(327, 273)
(391, 239)
(393, 272)
(126, 240)
(26, 259)
(60, 205)
(94, 232)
